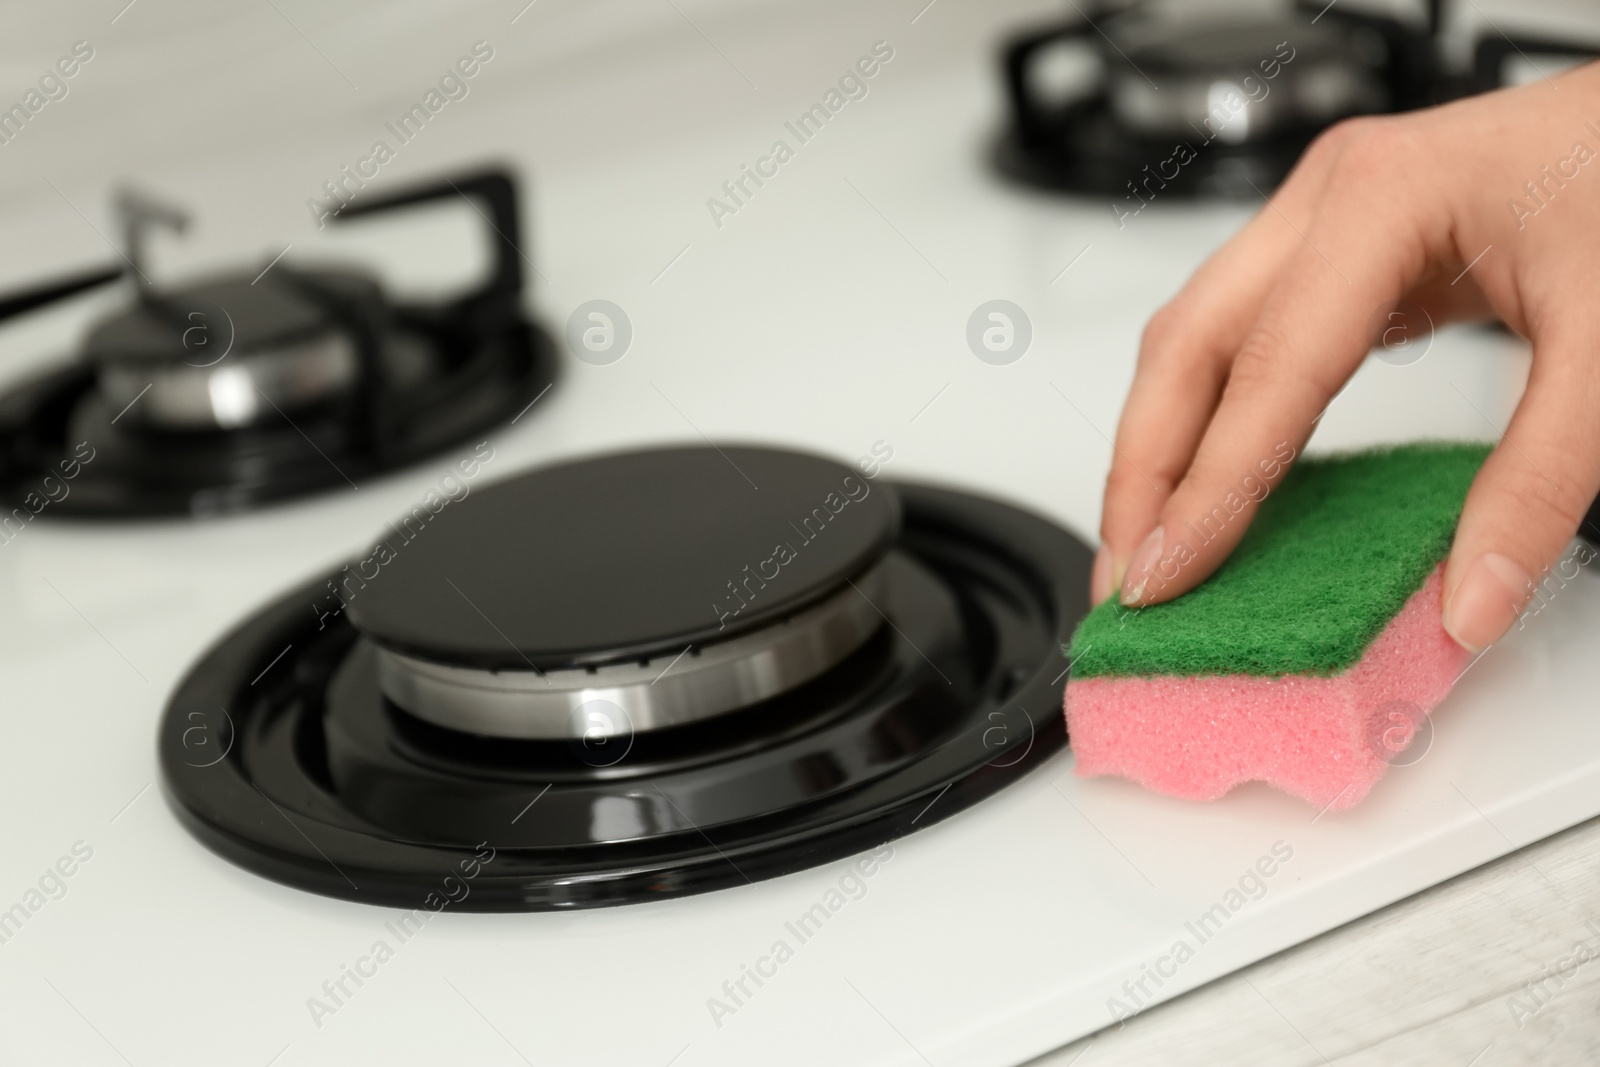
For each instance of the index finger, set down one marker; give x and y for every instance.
(1185, 353)
(1361, 252)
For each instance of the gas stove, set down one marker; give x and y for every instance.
(175, 911)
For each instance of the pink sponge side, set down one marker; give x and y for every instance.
(1325, 739)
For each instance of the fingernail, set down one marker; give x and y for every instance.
(1119, 567)
(1140, 566)
(1100, 577)
(1487, 602)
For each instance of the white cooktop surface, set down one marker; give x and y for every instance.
(829, 313)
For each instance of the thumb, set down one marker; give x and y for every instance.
(1532, 492)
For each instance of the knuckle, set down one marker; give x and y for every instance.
(1267, 364)
(1199, 492)
(1373, 151)
(1161, 333)
(1260, 363)
(1126, 480)
(1536, 504)
(1343, 132)
(1184, 335)
(1331, 143)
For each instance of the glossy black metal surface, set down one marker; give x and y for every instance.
(1097, 157)
(627, 556)
(261, 312)
(57, 289)
(307, 776)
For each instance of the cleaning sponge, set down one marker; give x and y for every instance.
(1299, 659)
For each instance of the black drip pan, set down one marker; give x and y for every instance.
(50, 421)
(281, 751)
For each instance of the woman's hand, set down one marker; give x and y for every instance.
(1488, 206)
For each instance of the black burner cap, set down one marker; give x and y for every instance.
(198, 323)
(621, 557)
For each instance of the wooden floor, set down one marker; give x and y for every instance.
(1438, 979)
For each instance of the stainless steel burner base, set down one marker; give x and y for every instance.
(623, 699)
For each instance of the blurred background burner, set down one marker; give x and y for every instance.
(1142, 100)
(272, 381)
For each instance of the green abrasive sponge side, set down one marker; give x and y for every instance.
(1333, 555)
